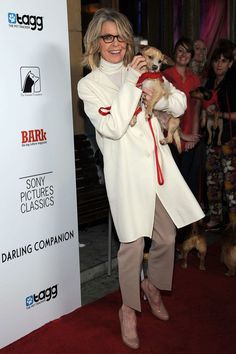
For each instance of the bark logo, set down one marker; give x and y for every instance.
(33, 137)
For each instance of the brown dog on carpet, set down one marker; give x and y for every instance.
(153, 80)
(228, 253)
(195, 240)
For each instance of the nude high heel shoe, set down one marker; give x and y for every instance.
(155, 302)
(131, 340)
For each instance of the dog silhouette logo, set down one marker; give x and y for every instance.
(30, 80)
(29, 83)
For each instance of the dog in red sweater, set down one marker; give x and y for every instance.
(152, 79)
(210, 103)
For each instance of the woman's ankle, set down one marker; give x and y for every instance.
(127, 310)
(152, 288)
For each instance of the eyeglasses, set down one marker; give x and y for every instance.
(109, 38)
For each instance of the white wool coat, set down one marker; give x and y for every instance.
(129, 160)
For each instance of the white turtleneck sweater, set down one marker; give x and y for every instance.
(113, 71)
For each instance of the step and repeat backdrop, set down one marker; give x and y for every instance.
(39, 249)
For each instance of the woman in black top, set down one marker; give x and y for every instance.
(221, 153)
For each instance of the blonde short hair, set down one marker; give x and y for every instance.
(91, 57)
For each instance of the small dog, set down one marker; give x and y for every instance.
(209, 101)
(171, 125)
(228, 253)
(153, 80)
(196, 240)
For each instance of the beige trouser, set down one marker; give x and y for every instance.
(160, 259)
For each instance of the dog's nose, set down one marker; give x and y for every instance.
(154, 67)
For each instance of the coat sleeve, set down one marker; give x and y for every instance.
(174, 103)
(123, 104)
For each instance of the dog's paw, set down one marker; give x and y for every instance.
(133, 121)
(201, 267)
(163, 142)
(230, 273)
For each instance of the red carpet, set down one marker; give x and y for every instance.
(203, 320)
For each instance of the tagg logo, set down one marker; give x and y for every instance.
(44, 295)
(30, 80)
(25, 21)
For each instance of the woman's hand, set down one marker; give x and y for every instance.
(190, 137)
(146, 96)
(190, 140)
(139, 64)
(189, 145)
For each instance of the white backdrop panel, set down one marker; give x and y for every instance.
(39, 265)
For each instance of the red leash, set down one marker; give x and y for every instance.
(160, 177)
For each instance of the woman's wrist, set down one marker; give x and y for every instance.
(132, 75)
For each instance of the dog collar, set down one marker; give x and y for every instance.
(149, 75)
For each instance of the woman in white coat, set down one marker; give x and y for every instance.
(146, 192)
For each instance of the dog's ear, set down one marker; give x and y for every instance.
(143, 47)
(207, 95)
(168, 61)
(197, 93)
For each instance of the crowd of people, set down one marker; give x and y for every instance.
(152, 189)
(208, 161)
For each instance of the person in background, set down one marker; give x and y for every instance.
(198, 64)
(228, 44)
(221, 158)
(146, 191)
(190, 160)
